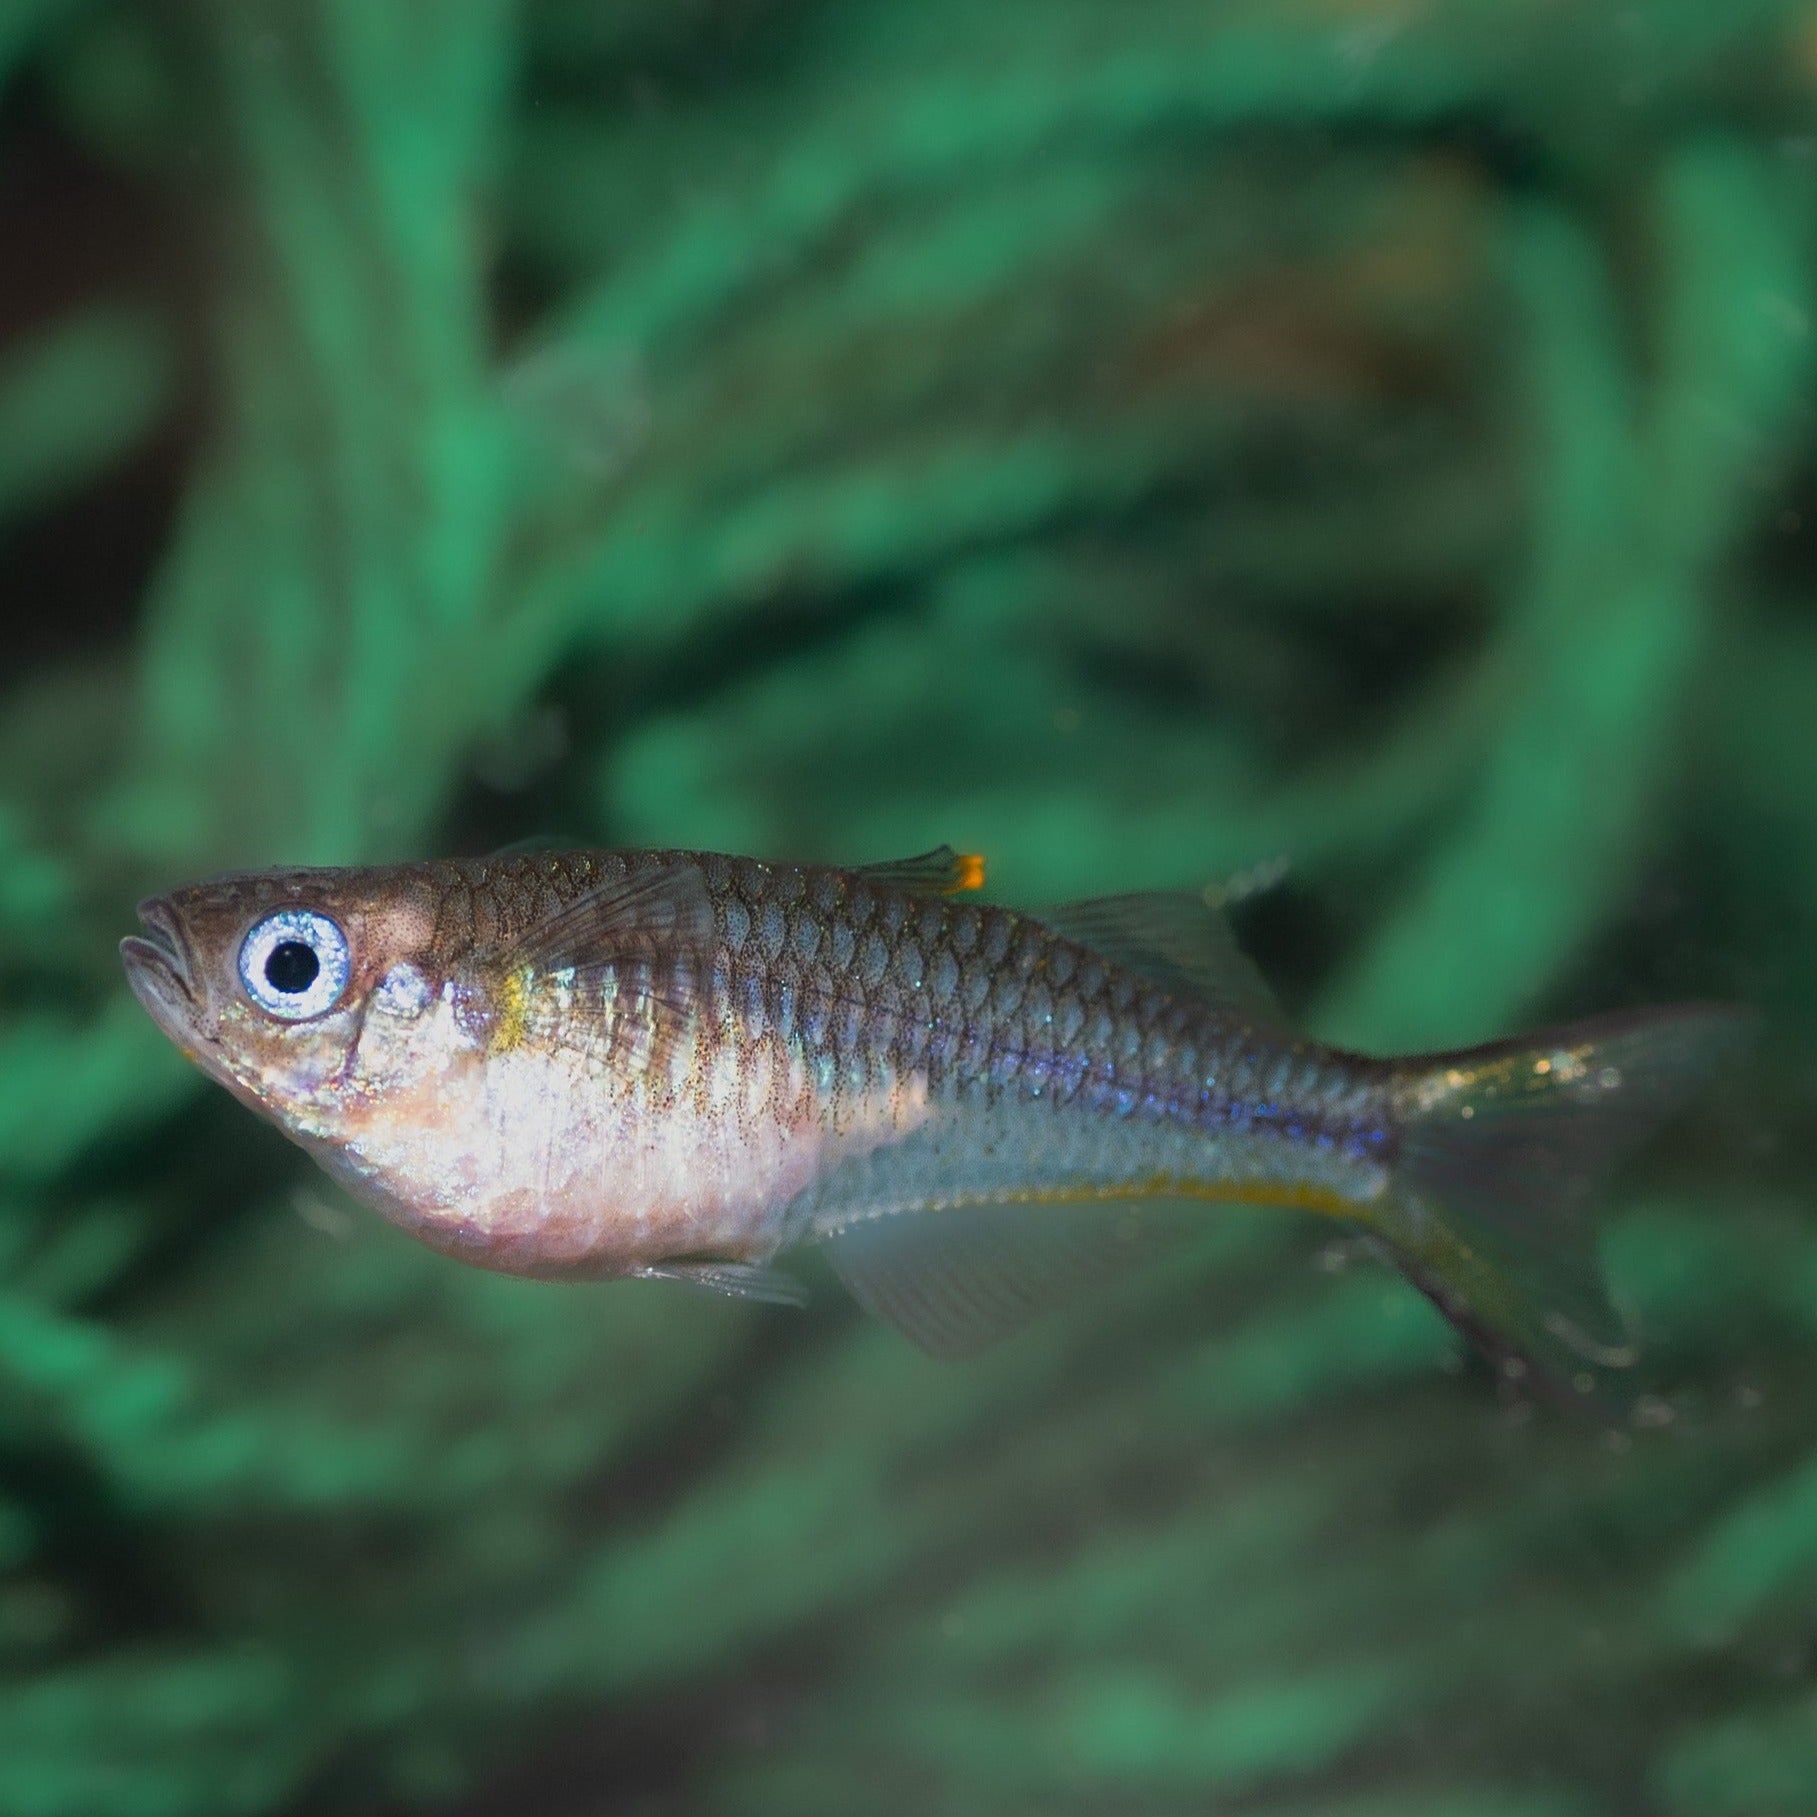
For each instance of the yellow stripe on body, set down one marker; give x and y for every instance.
(1295, 1195)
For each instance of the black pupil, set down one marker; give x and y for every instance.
(292, 967)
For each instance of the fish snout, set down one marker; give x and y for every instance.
(161, 966)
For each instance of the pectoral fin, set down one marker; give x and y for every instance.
(648, 934)
(660, 913)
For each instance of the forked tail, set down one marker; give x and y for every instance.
(1502, 1151)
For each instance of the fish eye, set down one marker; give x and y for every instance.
(294, 964)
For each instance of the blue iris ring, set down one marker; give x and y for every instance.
(294, 964)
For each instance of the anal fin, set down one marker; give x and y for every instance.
(958, 1279)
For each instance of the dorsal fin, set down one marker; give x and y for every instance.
(958, 1279)
(1175, 939)
(1253, 880)
(941, 872)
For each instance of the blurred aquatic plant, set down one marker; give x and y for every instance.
(1141, 442)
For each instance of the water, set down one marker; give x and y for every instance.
(1365, 450)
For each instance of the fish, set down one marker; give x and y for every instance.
(678, 1065)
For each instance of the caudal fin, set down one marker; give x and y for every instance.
(1503, 1151)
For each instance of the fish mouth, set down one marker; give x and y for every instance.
(161, 967)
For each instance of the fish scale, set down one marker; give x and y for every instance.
(1059, 1025)
(1011, 1026)
(863, 985)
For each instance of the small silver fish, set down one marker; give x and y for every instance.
(678, 1064)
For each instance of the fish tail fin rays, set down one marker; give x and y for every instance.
(1502, 1151)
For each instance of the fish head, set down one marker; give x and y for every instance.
(420, 1032)
(303, 992)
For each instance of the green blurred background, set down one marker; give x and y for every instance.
(1139, 441)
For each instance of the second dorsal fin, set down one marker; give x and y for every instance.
(941, 872)
(1174, 939)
